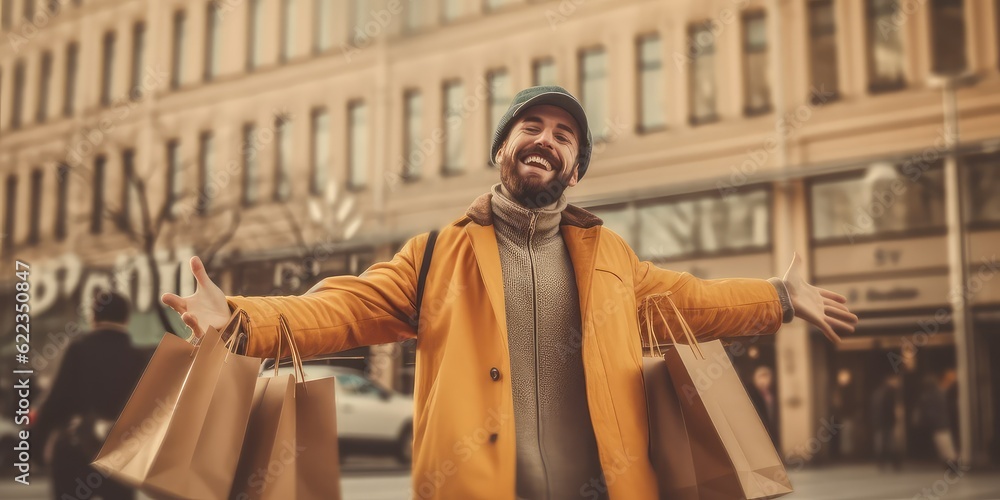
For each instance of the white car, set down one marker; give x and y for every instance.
(370, 418)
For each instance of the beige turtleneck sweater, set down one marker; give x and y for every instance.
(556, 448)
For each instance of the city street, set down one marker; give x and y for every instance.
(381, 479)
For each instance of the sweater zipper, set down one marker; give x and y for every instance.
(534, 316)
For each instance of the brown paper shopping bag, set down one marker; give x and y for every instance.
(180, 433)
(669, 445)
(733, 455)
(290, 448)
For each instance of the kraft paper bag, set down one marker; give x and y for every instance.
(669, 445)
(180, 433)
(733, 455)
(290, 448)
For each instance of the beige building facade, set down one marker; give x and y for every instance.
(294, 139)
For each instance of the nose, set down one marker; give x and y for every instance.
(545, 139)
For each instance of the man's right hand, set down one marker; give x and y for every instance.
(207, 307)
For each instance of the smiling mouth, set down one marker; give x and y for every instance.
(537, 161)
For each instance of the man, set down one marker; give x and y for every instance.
(96, 377)
(764, 400)
(529, 323)
(887, 422)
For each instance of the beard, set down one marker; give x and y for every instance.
(532, 192)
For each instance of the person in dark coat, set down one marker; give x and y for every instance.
(97, 374)
(886, 422)
(763, 397)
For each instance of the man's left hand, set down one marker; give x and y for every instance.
(819, 306)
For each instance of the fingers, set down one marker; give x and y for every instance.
(839, 325)
(830, 334)
(199, 272)
(192, 322)
(832, 295)
(841, 314)
(174, 302)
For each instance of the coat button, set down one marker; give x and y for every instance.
(493, 437)
(494, 374)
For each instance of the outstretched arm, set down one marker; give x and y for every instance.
(737, 306)
(339, 313)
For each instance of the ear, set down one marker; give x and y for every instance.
(503, 145)
(575, 177)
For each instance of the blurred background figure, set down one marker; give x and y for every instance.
(94, 381)
(936, 414)
(764, 399)
(888, 422)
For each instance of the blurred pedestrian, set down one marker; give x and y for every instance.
(95, 379)
(762, 394)
(887, 422)
(936, 416)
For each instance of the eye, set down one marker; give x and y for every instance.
(531, 130)
(562, 138)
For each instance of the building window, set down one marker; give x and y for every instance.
(322, 41)
(29, 10)
(705, 224)
(254, 22)
(493, 4)
(107, 68)
(138, 47)
(594, 90)
(97, 195)
(34, 228)
(450, 10)
(757, 88)
(128, 190)
(69, 94)
(948, 36)
(452, 117)
(885, 46)
(650, 67)
(356, 35)
(213, 28)
(10, 215)
(177, 57)
(543, 72)
(702, 75)
(175, 181)
(287, 29)
(357, 145)
(6, 8)
(15, 116)
(206, 190)
(44, 84)
(413, 155)
(250, 164)
(499, 87)
(283, 159)
(823, 48)
(983, 181)
(854, 205)
(62, 201)
(412, 21)
(319, 150)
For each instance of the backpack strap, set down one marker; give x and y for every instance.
(422, 277)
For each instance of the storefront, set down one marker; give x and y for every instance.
(879, 237)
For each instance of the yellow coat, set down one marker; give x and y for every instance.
(463, 425)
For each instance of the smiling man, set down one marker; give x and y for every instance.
(528, 377)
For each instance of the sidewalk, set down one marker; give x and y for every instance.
(853, 482)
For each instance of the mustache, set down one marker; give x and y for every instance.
(552, 158)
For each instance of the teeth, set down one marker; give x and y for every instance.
(538, 159)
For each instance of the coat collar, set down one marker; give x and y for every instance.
(481, 212)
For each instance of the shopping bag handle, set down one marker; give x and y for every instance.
(285, 331)
(688, 334)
